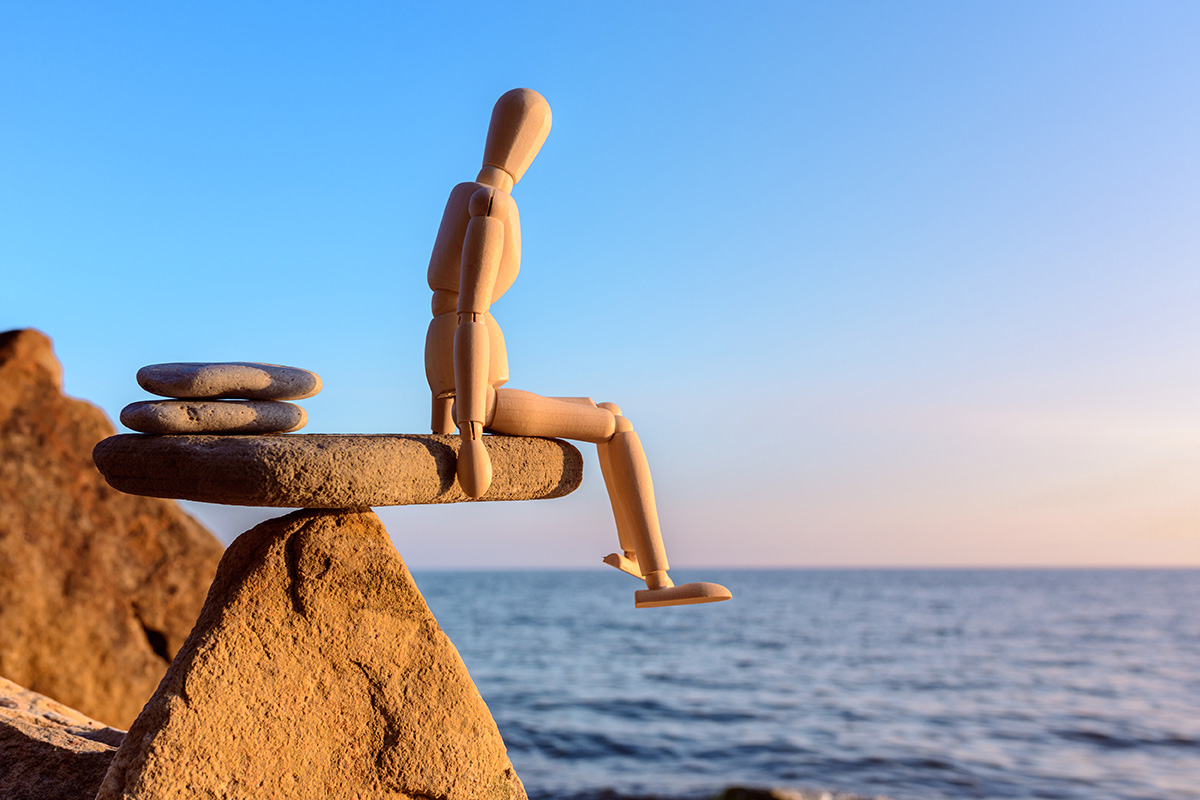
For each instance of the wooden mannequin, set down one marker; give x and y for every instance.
(475, 260)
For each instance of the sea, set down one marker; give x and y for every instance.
(910, 684)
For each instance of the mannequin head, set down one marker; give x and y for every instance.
(520, 124)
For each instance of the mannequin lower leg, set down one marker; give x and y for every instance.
(443, 418)
(634, 491)
(627, 561)
(620, 512)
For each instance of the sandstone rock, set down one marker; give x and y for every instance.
(331, 470)
(316, 670)
(241, 380)
(213, 416)
(49, 751)
(98, 589)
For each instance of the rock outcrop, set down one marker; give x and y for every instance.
(98, 589)
(316, 670)
(49, 751)
(332, 470)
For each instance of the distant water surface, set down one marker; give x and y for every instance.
(917, 684)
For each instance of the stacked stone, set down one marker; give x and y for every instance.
(221, 398)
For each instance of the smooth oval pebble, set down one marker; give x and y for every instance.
(213, 416)
(242, 380)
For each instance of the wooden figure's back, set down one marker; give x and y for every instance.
(444, 276)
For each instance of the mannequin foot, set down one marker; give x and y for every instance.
(624, 563)
(687, 594)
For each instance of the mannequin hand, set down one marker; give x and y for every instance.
(474, 467)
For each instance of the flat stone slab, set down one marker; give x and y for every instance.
(330, 470)
(241, 380)
(49, 751)
(213, 416)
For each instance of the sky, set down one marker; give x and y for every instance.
(879, 284)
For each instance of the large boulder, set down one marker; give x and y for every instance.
(49, 751)
(316, 670)
(98, 589)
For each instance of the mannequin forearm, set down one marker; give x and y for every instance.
(482, 250)
(470, 375)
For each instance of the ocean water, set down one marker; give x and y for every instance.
(921, 684)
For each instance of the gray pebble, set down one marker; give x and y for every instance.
(213, 416)
(235, 379)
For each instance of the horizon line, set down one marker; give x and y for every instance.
(833, 567)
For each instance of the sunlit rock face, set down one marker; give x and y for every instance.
(49, 751)
(98, 589)
(316, 670)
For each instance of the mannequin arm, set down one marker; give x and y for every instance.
(482, 249)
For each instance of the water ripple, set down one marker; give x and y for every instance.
(918, 685)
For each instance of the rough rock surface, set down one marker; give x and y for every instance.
(49, 751)
(331, 470)
(97, 589)
(316, 670)
(213, 416)
(243, 380)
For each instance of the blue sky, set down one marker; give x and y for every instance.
(878, 283)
